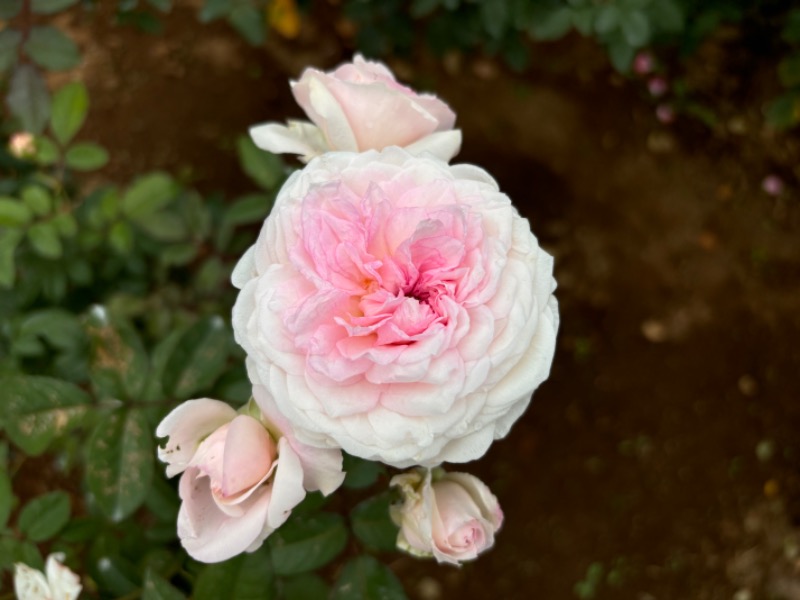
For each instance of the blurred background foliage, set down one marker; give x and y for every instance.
(115, 297)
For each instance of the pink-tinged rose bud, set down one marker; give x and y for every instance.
(657, 86)
(56, 583)
(360, 106)
(450, 516)
(772, 185)
(643, 63)
(242, 474)
(22, 145)
(665, 113)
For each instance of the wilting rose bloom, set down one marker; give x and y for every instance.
(450, 516)
(242, 474)
(360, 106)
(56, 583)
(396, 307)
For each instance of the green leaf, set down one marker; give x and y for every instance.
(606, 19)
(47, 153)
(252, 208)
(13, 551)
(44, 516)
(14, 213)
(10, 8)
(38, 200)
(148, 194)
(119, 465)
(44, 238)
(551, 24)
(361, 473)
(621, 54)
(784, 111)
(364, 578)
(249, 22)
(667, 15)
(66, 224)
(789, 70)
(68, 111)
(158, 588)
(214, 9)
(245, 577)
(305, 544)
(162, 5)
(265, 168)
(86, 156)
(494, 16)
(119, 364)
(372, 524)
(164, 226)
(36, 410)
(198, 358)
(51, 49)
(9, 42)
(304, 587)
(59, 327)
(791, 28)
(6, 497)
(28, 98)
(120, 236)
(9, 240)
(46, 7)
(635, 28)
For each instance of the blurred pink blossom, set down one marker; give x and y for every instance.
(772, 185)
(657, 86)
(643, 63)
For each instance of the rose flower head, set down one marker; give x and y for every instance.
(450, 516)
(396, 307)
(243, 473)
(360, 106)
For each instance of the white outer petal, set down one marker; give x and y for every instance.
(441, 144)
(186, 426)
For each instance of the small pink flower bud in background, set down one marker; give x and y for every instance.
(22, 145)
(657, 86)
(449, 516)
(772, 185)
(665, 113)
(643, 63)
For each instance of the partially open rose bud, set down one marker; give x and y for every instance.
(360, 106)
(242, 475)
(450, 516)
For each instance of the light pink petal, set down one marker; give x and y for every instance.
(30, 584)
(208, 534)
(440, 144)
(331, 119)
(299, 137)
(287, 487)
(186, 426)
(64, 584)
(249, 454)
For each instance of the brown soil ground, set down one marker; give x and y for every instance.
(665, 447)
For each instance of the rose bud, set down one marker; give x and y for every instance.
(242, 474)
(657, 86)
(643, 63)
(450, 516)
(360, 106)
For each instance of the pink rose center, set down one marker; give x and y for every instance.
(383, 273)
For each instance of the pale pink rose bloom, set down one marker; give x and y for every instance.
(450, 516)
(360, 106)
(56, 583)
(397, 307)
(242, 474)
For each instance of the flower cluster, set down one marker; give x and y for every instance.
(394, 306)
